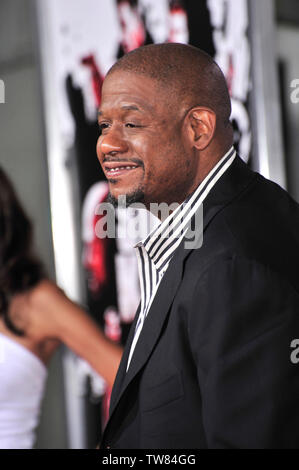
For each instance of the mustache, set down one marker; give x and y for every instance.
(137, 161)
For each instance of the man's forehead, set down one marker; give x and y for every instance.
(129, 92)
(125, 107)
(128, 81)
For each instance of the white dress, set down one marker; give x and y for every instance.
(22, 382)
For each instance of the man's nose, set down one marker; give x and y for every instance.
(112, 144)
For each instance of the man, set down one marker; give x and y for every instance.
(207, 362)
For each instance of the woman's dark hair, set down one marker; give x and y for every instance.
(20, 270)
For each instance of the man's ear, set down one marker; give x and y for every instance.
(201, 124)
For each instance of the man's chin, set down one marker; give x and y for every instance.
(126, 200)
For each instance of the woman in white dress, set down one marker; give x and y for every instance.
(35, 318)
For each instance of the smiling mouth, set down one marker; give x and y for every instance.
(116, 169)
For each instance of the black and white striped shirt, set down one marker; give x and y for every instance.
(155, 252)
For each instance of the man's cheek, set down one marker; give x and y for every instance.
(98, 149)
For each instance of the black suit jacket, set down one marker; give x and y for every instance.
(212, 366)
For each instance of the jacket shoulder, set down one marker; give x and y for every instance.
(261, 223)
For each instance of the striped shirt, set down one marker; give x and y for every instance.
(155, 252)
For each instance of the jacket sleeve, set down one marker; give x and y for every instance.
(244, 318)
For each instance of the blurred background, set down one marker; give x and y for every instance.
(54, 55)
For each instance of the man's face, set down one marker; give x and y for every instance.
(143, 147)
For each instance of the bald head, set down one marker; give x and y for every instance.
(189, 75)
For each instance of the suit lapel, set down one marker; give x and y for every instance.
(123, 364)
(236, 179)
(151, 328)
(155, 318)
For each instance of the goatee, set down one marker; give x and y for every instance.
(136, 196)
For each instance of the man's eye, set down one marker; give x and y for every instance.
(103, 125)
(131, 124)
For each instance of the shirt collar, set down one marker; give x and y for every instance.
(175, 225)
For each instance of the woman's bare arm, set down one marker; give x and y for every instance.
(54, 315)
